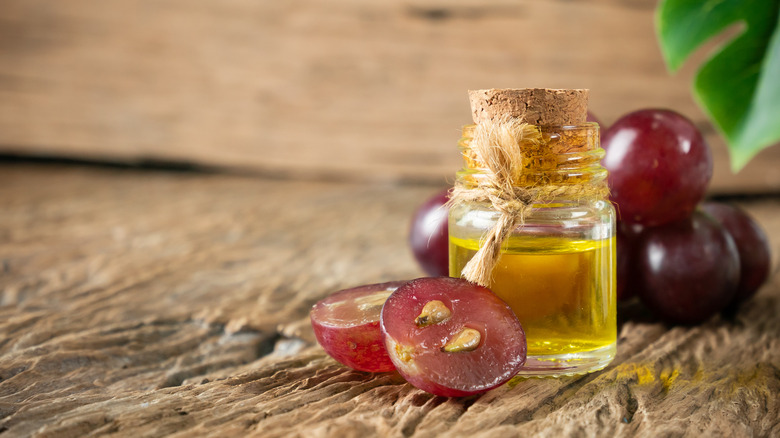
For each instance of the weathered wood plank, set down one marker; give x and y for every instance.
(142, 304)
(337, 88)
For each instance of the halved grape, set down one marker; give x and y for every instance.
(688, 270)
(451, 337)
(346, 325)
(659, 166)
(752, 246)
(428, 235)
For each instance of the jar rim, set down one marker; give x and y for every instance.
(568, 154)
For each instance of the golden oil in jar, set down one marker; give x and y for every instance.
(562, 291)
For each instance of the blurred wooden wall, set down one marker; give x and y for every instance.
(337, 88)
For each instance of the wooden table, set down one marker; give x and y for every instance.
(147, 303)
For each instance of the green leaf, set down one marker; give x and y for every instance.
(739, 86)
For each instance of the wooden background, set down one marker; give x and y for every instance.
(336, 89)
(151, 302)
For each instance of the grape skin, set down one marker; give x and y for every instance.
(687, 270)
(659, 166)
(428, 235)
(625, 237)
(752, 246)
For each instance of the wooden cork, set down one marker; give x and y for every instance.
(535, 106)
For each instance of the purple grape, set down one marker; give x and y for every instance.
(688, 270)
(659, 166)
(625, 255)
(752, 246)
(428, 236)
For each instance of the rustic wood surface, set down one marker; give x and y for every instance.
(338, 87)
(138, 303)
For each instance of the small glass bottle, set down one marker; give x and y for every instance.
(556, 269)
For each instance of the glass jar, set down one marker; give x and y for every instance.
(556, 269)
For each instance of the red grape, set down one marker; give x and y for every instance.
(625, 257)
(659, 166)
(752, 246)
(428, 236)
(451, 337)
(346, 325)
(688, 270)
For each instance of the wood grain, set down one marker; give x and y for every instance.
(146, 304)
(337, 89)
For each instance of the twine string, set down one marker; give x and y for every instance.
(499, 147)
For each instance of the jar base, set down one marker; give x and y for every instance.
(557, 365)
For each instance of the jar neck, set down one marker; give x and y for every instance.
(567, 155)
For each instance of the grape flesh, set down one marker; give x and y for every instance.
(428, 235)
(688, 270)
(419, 351)
(752, 246)
(346, 325)
(659, 166)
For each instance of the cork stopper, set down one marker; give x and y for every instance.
(535, 106)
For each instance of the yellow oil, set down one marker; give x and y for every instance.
(562, 290)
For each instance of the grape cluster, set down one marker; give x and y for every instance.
(687, 260)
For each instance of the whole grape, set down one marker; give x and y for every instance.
(625, 258)
(687, 270)
(428, 235)
(659, 166)
(752, 246)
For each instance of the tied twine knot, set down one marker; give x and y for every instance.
(499, 147)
